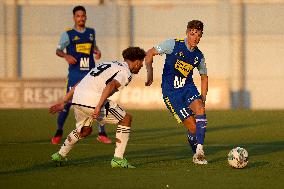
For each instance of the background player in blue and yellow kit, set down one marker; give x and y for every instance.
(80, 44)
(179, 91)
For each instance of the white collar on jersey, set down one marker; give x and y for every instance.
(125, 64)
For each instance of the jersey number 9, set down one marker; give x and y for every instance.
(98, 70)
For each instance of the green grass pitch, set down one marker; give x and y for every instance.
(157, 146)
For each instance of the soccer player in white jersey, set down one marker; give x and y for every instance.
(90, 102)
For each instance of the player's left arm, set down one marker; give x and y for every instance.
(204, 86)
(148, 62)
(97, 51)
(204, 79)
(110, 88)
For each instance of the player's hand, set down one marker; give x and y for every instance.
(56, 108)
(70, 59)
(96, 112)
(203, 98)
(98, 54)
(149, 82)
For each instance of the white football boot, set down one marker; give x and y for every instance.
(199, 157)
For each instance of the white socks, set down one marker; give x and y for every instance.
(122, 136)
(68, 144)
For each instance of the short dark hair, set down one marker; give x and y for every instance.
(77, 8)
(194, 24)
(133, 53)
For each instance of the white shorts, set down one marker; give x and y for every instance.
(110, 113)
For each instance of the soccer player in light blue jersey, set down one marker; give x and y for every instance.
(179, 91)
(80, 45)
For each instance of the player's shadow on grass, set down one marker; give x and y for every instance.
(232, 127)
(160, 155)
(256, 164)
(156, 133)
(168, 154)
(43, 167)
(254, 150)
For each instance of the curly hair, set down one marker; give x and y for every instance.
(133, 53)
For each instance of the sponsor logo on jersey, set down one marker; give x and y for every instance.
(84, 63)
(129, 79)
(195, 60)
(76, 38)
(91, 37)
(179, 82)
(159, 48)
(84, 48)
(181, 54)
(183, 67)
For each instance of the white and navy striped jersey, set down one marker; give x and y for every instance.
(90, 88)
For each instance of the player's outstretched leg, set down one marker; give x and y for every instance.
(58, 159)
(60, 156)
(121, 163)
(102, 136)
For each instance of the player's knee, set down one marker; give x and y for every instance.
(197, 107)
(85, 131)
(126, 121)
(189, 123)
(200, 110)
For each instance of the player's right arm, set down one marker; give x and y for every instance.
(110, 88)
(63, 43)
(149, 67)
(166, 47)
(59, 106)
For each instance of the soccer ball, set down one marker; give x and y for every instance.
(238, 158)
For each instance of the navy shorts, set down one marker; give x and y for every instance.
(178, 102)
